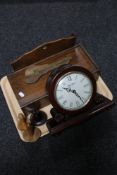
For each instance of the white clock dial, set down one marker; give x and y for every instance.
(73, 90)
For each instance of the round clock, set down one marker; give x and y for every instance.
(71, 89)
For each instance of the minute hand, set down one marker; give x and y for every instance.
(74, 91)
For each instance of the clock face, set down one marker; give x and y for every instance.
(73, 90)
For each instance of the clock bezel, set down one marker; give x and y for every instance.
(55, 76)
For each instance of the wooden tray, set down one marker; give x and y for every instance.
(15, 108)
(12, 84)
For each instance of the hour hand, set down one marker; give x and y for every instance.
(67, 89)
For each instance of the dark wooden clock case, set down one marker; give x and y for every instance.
(36, 94)
(53, 78)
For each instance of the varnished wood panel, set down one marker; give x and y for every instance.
(43, 51)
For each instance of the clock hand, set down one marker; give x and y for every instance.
(67, 89)
(74, 91)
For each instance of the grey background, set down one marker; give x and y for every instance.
(90, 148)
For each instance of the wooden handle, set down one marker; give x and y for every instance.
(29, 132)
(21, 122)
